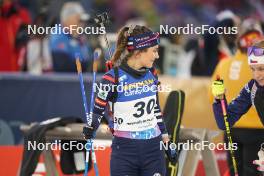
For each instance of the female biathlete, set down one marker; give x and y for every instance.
(251, 94)
(131, 91)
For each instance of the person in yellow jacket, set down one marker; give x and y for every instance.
(236, 73)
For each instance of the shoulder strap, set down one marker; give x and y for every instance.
(154, 73)
(116, 75)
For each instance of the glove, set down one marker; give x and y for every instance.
(218, 88)
(172, 154)
(259, 103)
(88, 132)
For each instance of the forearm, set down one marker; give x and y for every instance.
(102, 98)
(219, 116)
(239, 106)
(160, 119)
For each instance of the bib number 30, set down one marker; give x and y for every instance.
(142, 108)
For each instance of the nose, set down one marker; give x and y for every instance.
(156, 55)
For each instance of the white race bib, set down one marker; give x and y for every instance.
(135, 115)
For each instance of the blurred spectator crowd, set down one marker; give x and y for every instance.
(180, 55)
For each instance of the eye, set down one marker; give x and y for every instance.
(156, 50)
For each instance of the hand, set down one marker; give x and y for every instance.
(218, 89)
(165, 138)
(88, 132)
(260, 165)
(260, 161)
(172, 154)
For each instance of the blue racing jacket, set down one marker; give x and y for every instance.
(238, 106)
(136, 112)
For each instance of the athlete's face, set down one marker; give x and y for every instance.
(148, 57)
(258, 73)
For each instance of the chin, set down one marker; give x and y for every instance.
(149, 65)
(261, 83)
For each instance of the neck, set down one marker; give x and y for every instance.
(133, 63)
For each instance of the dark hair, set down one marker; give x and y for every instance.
(122, 41)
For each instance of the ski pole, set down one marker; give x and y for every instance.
(108, 62)
(88, 117)
(228, 133)
(97, 53)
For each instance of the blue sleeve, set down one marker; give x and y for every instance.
(239, 106)
(157, 109)
(105, 93)
(102, 97)
(159, 116)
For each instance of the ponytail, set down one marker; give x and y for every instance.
(120, 45)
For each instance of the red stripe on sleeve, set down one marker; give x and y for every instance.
(109, 78)
(100, 102)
